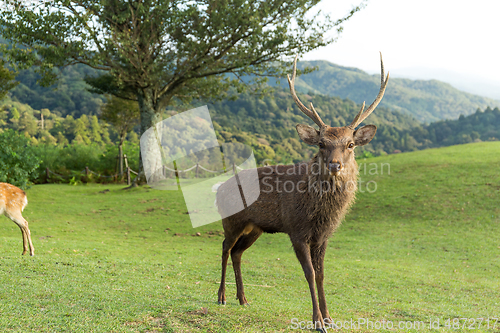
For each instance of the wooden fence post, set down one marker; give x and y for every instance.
(197, 169)
(128, 176)
(47, 174)
(87, 172)
(234, 169)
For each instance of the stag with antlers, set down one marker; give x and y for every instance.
(307, 201)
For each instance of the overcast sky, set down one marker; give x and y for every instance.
(459, 36)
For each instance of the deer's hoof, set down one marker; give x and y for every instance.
(222, 303)
(329, 323)
(322, 330)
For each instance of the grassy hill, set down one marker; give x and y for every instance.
(423, 246)
(427, 101)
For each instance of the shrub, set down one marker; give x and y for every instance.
(70, 161)
(18, 162)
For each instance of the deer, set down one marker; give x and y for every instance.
(306, 201)
(12, 203)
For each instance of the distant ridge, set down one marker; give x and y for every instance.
(462, 81)
(426, 100)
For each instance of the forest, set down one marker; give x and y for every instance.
(65, 122)
(266, 123)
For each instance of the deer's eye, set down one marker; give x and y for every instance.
(351, 145)
(321, 145)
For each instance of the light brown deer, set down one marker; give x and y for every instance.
(306, 201)
(12, 203)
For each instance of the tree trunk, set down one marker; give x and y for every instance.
(150, 115)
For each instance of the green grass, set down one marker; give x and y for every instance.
(425, 245)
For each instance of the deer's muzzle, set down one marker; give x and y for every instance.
(335, 167)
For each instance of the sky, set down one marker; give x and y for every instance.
(440, 35)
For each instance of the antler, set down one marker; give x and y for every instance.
(363, 115)
(311, 113)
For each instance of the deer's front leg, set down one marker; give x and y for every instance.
(318, 257)
(302, 250)
(222, 288)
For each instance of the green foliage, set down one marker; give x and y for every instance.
(46, 127)
(183, 49)
(365, 154)
(67, 145)
(73, 181)
(268, 125)
(479, 126)
(122, 114)
(69, 96)
(70, 161)
(6, 80)
(18, 161)
(272, 121)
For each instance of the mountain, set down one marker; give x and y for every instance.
(469, 83)
(273, 118)
(68, 96)
(427, 101)
(267, 124)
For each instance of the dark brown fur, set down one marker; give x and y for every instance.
(309, 214)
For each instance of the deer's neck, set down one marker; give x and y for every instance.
(329, 197)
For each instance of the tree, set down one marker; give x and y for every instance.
(81, 130)
(123, 115)
(95, 130)
(18, 162)
(156, 51)
(27, 124)
(6, 80)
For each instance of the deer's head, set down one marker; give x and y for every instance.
(337, 144)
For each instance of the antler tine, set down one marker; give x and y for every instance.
(362, 115)
(356, 121)
(311, 113)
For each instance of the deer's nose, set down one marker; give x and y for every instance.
(335, 167)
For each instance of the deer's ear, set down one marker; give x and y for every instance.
(364, 135)
(308, 134)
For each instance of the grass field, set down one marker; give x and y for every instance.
(423, 246)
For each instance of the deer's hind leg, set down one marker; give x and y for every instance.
(18, 219)
(243, 243)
